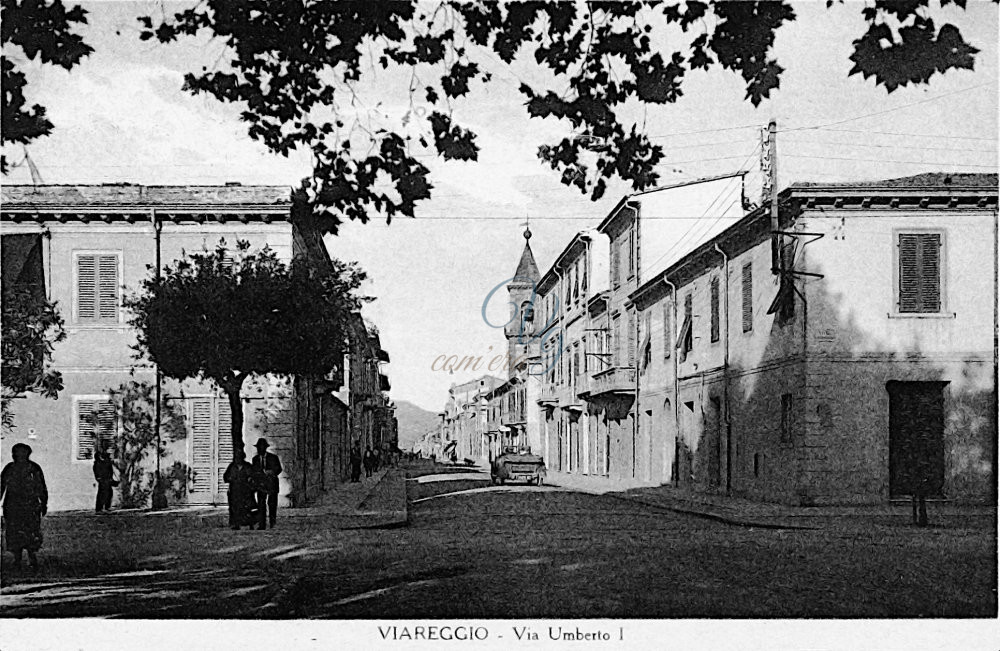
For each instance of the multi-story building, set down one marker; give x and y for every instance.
(834, 352)
(854, 361)
(91, 245)
(568, 353)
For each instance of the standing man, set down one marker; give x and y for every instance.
(104, 474)
(267, 465)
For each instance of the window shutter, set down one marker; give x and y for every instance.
(107, 277)
(106, 424)
(86, 293)
(201, 445)
(616, 261)
(747, 297)
(225, 441)
(715, 309)
(667, 340)
(631, 338)
(86, 423)
(920, 272)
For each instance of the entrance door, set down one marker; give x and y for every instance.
(211, 449)
(916, 436)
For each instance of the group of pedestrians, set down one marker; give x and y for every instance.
(253, 488)
(372, 459)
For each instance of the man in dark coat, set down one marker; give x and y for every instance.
(267, 467)
(104, 473)
(355, 464)
(25, 500)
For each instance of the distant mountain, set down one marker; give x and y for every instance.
(414, 422)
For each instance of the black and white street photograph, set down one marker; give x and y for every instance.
(422, 323)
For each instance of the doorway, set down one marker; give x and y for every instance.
(916, 437)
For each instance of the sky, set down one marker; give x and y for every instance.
(121, 116)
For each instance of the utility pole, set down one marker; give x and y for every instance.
(159, 494)
(776, 238)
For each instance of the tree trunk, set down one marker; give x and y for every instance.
(232, 390)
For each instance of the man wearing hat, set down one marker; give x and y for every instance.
(267, 466)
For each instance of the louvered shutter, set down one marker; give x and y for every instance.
(86, 432)
(631, 338)
(715, 308)
(107, 280)
(106, 424)
(201, 445)
(667, 338)
(920, 272)
(225, 442)
(86, 292)
(616, 261)
(747, 297)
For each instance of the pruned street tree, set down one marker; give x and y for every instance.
(227, 315)
(30, 29)
(295, 69)
(31, 328)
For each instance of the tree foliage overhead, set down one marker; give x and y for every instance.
(295, 66)
(41, 29)
(225, 316)
(31, 328)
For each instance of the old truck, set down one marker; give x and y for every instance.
(518, 464)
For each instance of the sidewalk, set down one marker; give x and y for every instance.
(748, 513)
(377, 501)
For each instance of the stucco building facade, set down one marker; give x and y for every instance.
(95, 244)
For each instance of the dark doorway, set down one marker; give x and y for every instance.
(916, 437)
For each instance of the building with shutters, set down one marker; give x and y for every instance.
(855, 361)
(857, 358)
(86, 246)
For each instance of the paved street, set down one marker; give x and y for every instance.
(473, 550)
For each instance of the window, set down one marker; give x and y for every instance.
(631, 338)
(616, 262)
(786, 417)
(747, 297)
(576, 281)
(667, 339)
(616, 340)
(715, 309)
(95, 426)
(631, 252)
(919, 290)
(97, 288)
(685, 339)
(583, 281)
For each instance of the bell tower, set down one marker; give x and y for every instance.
(521, 290)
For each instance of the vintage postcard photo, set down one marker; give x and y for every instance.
(407, 324)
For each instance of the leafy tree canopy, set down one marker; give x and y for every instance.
(295, 65)
(41, 29)
(224, 317)
(31, 328)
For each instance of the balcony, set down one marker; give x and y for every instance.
(550, 396)
(617, 380)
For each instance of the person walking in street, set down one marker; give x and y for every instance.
(268, 465)
(368, 460)
(25, 500)
(104, 474)
(241, 493)
(355, 464)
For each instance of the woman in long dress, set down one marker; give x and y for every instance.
(25, 501)
(238, 476)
